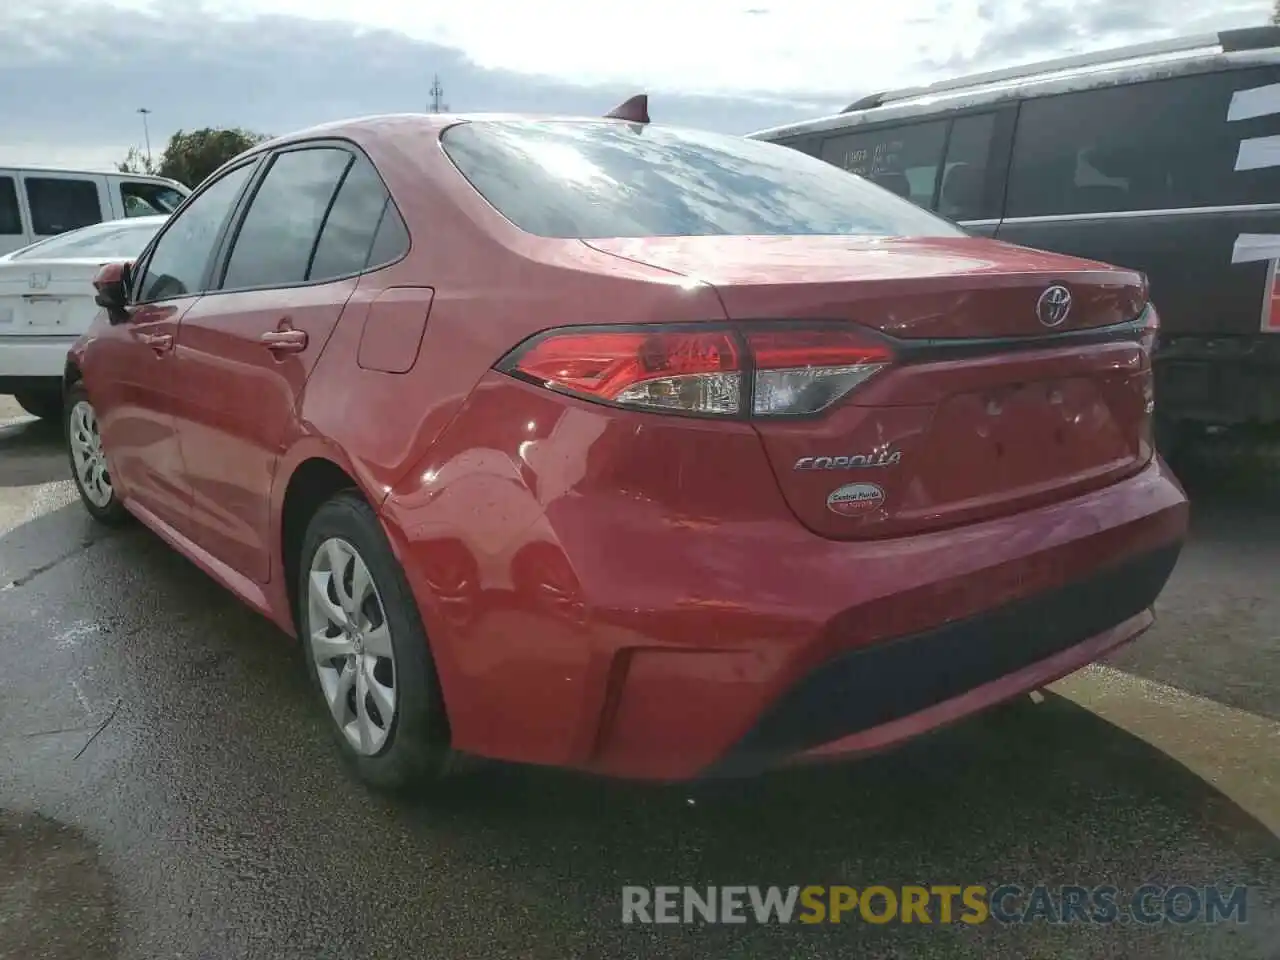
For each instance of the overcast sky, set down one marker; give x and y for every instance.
(74, 72)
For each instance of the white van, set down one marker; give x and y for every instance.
(40, 202)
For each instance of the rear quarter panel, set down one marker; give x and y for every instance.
(494, 287)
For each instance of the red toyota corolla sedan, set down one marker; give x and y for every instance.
(609, 445)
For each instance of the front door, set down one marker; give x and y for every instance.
(130, 383)
(131, 377)
(246, 350)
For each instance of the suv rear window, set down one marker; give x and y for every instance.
(903, 160)
(586, 179)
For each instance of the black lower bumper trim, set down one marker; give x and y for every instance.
(874, 685)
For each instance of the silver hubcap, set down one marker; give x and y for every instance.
(86, 451)
(351, 644)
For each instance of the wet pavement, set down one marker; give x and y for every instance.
(168, 789)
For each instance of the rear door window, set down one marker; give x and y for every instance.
(1204, 140)
(10, 217)
(963, 194)
(59, 204)
(352, 223)
(392, 240)
(278, 235)
(903, 160)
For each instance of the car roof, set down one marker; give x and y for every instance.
(1182, 56)
(86, 171)
(390, 125)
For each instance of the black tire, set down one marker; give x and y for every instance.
(113, 512)
(416, 749)
(45, 404)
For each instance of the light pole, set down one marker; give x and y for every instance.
(147, 134)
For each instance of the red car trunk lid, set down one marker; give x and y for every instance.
(997, 401)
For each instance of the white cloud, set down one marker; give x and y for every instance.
(833, 47)
(83, 66)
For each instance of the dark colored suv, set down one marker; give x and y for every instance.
(1160, 157)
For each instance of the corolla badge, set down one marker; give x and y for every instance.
(883, 458)
(855, 498)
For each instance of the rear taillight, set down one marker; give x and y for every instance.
(803, 371)
(708, 370)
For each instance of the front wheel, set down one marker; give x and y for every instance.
(366, 650)
(89, 461)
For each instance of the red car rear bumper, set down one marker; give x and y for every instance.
(609, 636)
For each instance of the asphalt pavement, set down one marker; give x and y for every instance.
(168, 788)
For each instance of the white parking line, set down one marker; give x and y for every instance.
(1236, 751)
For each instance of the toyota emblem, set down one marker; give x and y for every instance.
(1054, 305)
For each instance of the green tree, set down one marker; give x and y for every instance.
(135, 161)
(1275, 13)
(192, 156)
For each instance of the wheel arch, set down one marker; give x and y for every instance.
(312, 481)
(71, 375)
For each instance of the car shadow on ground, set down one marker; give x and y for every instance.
(32, 452)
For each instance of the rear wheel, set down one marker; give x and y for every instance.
(89, 461)
(45, 404)
(366, 650)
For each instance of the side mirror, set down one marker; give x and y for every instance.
(112, 284)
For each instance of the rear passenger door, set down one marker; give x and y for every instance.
(1173, 177)
(58, 202)
(247, 348)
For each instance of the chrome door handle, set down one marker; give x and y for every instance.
(284, 341)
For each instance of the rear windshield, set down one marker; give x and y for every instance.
(108, 241)
(583, 179)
